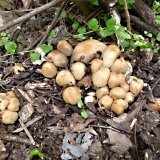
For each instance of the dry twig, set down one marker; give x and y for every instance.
(127, 15)
(29, 15)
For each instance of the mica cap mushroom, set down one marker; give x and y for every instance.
(65, 47)
(85, 51)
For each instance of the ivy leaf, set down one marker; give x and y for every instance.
(158, 37)
(80, 103)
(75, 25)
(3, 34)
(51, 35)
(125, 44)
(34, 56)
(105, 32)
(84, 113)
(94, 2)
(93, 24)
(121, 31)
(111, 23)
(37, 152)
(81, 30)
(46, 48)
(10, 47)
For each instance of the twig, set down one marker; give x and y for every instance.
(17, 31)
(127, 15)
(28, 124)
(27, 132)
(29, 15)
(54, 22)
(9, 137)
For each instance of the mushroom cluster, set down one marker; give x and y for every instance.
(93, 65)
(9, 105)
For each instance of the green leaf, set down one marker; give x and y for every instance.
(34, 56)
(3, 34)
(46, 48)
(10, 47)
(129, 4)
(84, 113)
(71, 17)
(121, 31)
(80, 103)
(81, 30)
(37, 152)
(93, 24)
(125, 44)
(75, 25)
(94, 2)
(105, 32)
(158, 37)
(51, 35)
(79, 36)
(111, 23)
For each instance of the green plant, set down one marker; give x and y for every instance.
(36, 152)
(39, 52)
(9, 45)
(94, 2)
(84, 112)
(156, 10)
(129, 4)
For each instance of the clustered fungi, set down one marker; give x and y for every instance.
(9, 105)
(93, 65)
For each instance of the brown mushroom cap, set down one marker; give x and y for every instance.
(136, 86)
(4, 103)
(100, 92)
(129, 97)
(71, 95)
(100, 78)
(78, 70)
(18, 68)
(117, 93)
(13, 104)
(58, 58)
(9, 117)
(65, 77)
(96, 64)
(110, 54)
(156, 105)
(11, 94)
(119, 66)
(87, 50)
(125, 86)
(106, 101)
(49, 70)
(65, 47)
(118, 106)
(115, 80)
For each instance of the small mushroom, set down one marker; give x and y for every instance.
(14, 104)
(110, 54)
(49, 70)
(58, 58)
(87, 50)
(119, 66)
(96, 64)
(115, 80)
(11, 94)
(4, 103)
(2, 96)
(18, 68)
(125, 86)
(100, 92)
(156, 105)
(136, 86)
(65, 77)
(117, 93)
(106, 101)
(71, 95)
(100, 78)
(129, 97)
(9, 117)
(118, 106)
(78, 70)
(64, 47)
